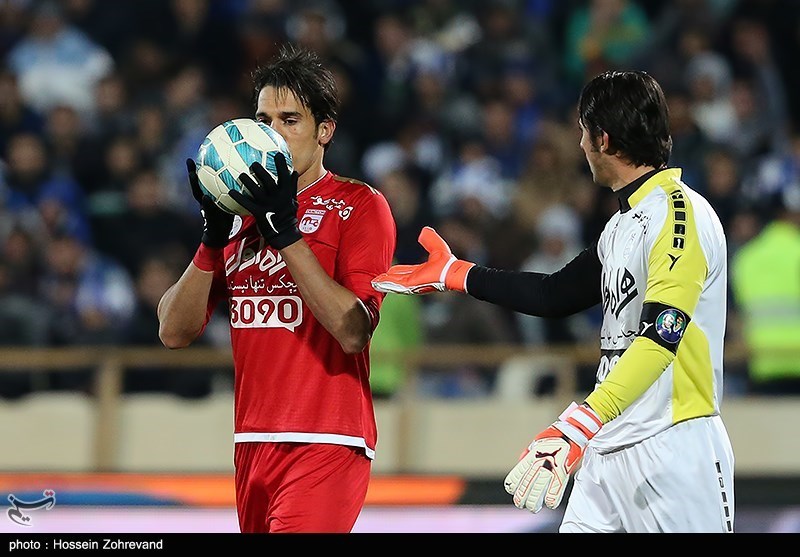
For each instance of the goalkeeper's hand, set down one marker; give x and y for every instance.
(541, 475)
(442, 271)
(274, 205)
(216, 222)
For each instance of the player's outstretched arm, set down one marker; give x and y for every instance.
(441, 272)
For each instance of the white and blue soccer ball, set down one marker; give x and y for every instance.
(228, 151)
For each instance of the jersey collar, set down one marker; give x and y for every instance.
(634, 192)
(315, 182)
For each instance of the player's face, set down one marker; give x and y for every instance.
(281, 110)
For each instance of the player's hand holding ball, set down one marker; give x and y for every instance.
(541, 475)
(273, 204)
(216, 222)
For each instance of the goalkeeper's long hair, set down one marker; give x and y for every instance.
(301, 71)
(631, 108)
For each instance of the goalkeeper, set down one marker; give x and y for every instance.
(647, 448)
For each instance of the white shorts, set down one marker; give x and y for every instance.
(680, 480)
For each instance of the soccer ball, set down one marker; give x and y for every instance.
(228, 151)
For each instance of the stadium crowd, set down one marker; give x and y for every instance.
(462, 112)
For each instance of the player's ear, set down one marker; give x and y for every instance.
(325, 131)
(605, 142)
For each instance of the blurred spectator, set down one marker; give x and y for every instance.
(319, 25)
(551, 177)
(112, 115)
(56, 63)
(754, 134)
(352, 127)
(73, 151)
(765, 278)
(186, 102)
(93, 294)
(449, 22)
(33, 186)
(14, 17)
(679, 30)
(475, 179)
(24, 322)
(780, 18)
(24, 319)
(415, 148)
(441, 109)
(146, 224)
(261, 28)
(501, 139)
(507, 39)
(111, 24)
(463, 320)
(559, 241)
(156, 273)
(689, 142)
(21, 249)
(122, 161)
(403, 193)
(21, 268)
(194, 34)
(92, 299)
(524, 92)
(777, 171)
(145, 67)
(752, 59)
(398, 58)
(15, 116)
(709, 79)
(723, 184)
(603, 35)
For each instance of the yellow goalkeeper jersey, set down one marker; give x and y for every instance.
(664, 280)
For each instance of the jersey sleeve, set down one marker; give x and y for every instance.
(218, 292)
(677, 270)
(366, 250)
(573, 288)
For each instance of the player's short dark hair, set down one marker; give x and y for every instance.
(301, 71)
(631, 108)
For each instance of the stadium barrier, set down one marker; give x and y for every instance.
(110, 431)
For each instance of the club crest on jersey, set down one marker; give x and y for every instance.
(670, 325)
(311, 220)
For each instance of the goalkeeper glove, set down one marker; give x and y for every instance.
(274, 205)
(442, 271)
(541, 475)
(216, 222)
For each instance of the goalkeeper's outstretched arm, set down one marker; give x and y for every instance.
(572, 289)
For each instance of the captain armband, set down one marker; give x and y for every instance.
(663, 324)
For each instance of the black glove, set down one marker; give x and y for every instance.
(216, 222)
(273, 205)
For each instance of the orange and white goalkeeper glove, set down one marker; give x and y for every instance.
(541, 475)
(442, 271)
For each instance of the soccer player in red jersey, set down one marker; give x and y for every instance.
(296, 277)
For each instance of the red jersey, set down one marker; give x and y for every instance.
(293, 382)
